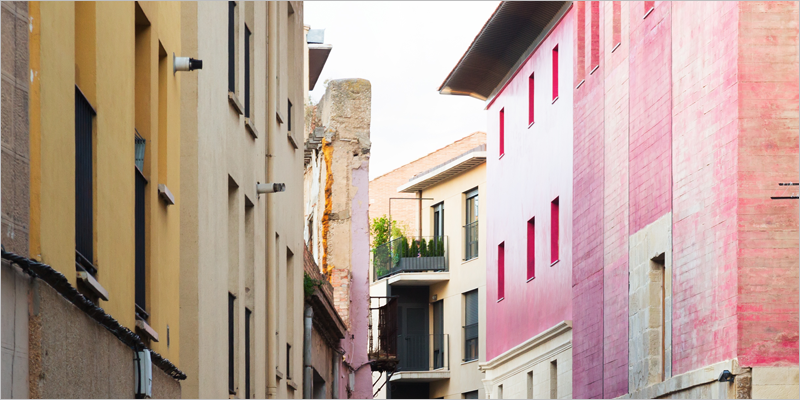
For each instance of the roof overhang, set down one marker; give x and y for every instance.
(507, 39)
(317, 56)
(444, 172)
(420, 376)
(418, 278)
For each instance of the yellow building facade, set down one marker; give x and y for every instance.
(102, 81)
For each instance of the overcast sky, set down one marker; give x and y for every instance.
(406, 50)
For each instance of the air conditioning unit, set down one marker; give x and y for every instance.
(143, 374)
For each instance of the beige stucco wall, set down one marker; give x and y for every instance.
(224, 248)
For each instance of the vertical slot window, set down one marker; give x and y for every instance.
(554, 379)
(247, 315)
(247, 35)
(84, 182)
(502, 136)
(580, 57)
(530, 385)
(471, 228)
(530, 100)
(531, 249)
(471, 324)
(289, 115)
(500, 391)
(648, 8)
(501, 270)
(140, 233)
(555, 73)
(616, 33)
(231, 343)
(554, 231)
(288, 361)
(232, 46)
(595, 61)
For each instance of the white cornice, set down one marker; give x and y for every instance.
(529, 344)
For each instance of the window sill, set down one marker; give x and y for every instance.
(147, 329)
(469, 261)
(165, 194)
(291, 384)
(278, 373)
(468, 362)
(554, 262)
(554, 100)
(580, 83)
(594, 69)
(501, 299)
(648, 12)
(501, 156)
(530, 279)
(531, 124)
(251, 127)
(616, 47)
(235, 103)
(93, 284)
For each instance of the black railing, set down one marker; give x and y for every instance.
(424, 352)
(471, 342)
(232, 46)
(471, 241)
(421, 254)
(383, 333)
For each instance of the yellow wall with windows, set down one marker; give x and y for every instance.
(93, 45)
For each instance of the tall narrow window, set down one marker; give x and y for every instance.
(580, 57)
(438, 334)
(288, 361)
(555, 73)
(247, 314)
(554, 231)
(232, 46)
(616, 33)
(471, 324)
(502, 131)
(289, 116)
(139, 229)
(530, 385)
(530, 100)
(231, 343)
(554, 379)
(500, 391)
(658, 264)
(595, 6)
(84, 210)
(471, 228)
(501, 267)
(531, 248)
(648, 7)
(247, 72)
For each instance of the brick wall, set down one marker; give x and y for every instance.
(385, 186)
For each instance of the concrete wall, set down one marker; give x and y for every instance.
(673, 125)
(336, 198)
(543, 154)
(406, 212)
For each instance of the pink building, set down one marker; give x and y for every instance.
(521, 65)
(685, 121)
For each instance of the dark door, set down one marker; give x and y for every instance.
(438, 334)
(414, 338)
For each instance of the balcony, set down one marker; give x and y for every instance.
(383, 333)
(417, 261)
(422, 358)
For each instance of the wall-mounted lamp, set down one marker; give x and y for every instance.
(270, 187)
(185, 64)
(726, 376)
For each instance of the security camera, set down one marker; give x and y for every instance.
(270, 187)
(185, 64)
(726, 376)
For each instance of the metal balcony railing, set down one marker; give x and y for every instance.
(383, 333)
(471, 241)
(421, 254)
(424, 352)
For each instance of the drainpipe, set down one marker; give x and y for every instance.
(337, 359)
(419, 195)
(307, 376)
(272, 133)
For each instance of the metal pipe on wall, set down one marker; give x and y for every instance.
(308, 378)
(337, 359)
(272, 267)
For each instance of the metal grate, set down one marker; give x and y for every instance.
(140, 273)
(84, 210)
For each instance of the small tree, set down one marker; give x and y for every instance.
(379, 229)
(414, 250)
(423, 248)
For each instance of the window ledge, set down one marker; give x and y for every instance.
(580, 83)
(251, 127)
(469, 261)
(279, 117)
(531, 124)
(554, 100)
(530, 279)
(147, 329)
(501, 156)
(594, 69)
(291, 384)
(501, 299)
(165, 194)
(235, 103)
(278, 373)
(648, 12)
(468, 362)
(616, 47)
(93, 285)
(554, 262)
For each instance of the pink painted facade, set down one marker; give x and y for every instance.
(535, 169)
(692, 111)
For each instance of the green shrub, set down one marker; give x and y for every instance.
(423, 248)
(414, 250)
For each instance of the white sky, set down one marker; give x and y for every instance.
(406, 50)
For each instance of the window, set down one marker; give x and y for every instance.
(530, 100)
(502, 131)
(471, 228)
(501, 266)
(580, 56)
(232, 46)
(595, 9)
(555, 73)
(231, 342)
(438, 220)
(289, 116)
(288, 361)
(471, 395)
(530, 385)
(471, 325)
(648, 7)
(84, 210)
(139, 230)
(438, 334)
(616, 33)
(658, 284)
(554, 239)
(500, 391)
(247, 71)
(247, 314)
(554, 379)
(531, 248)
